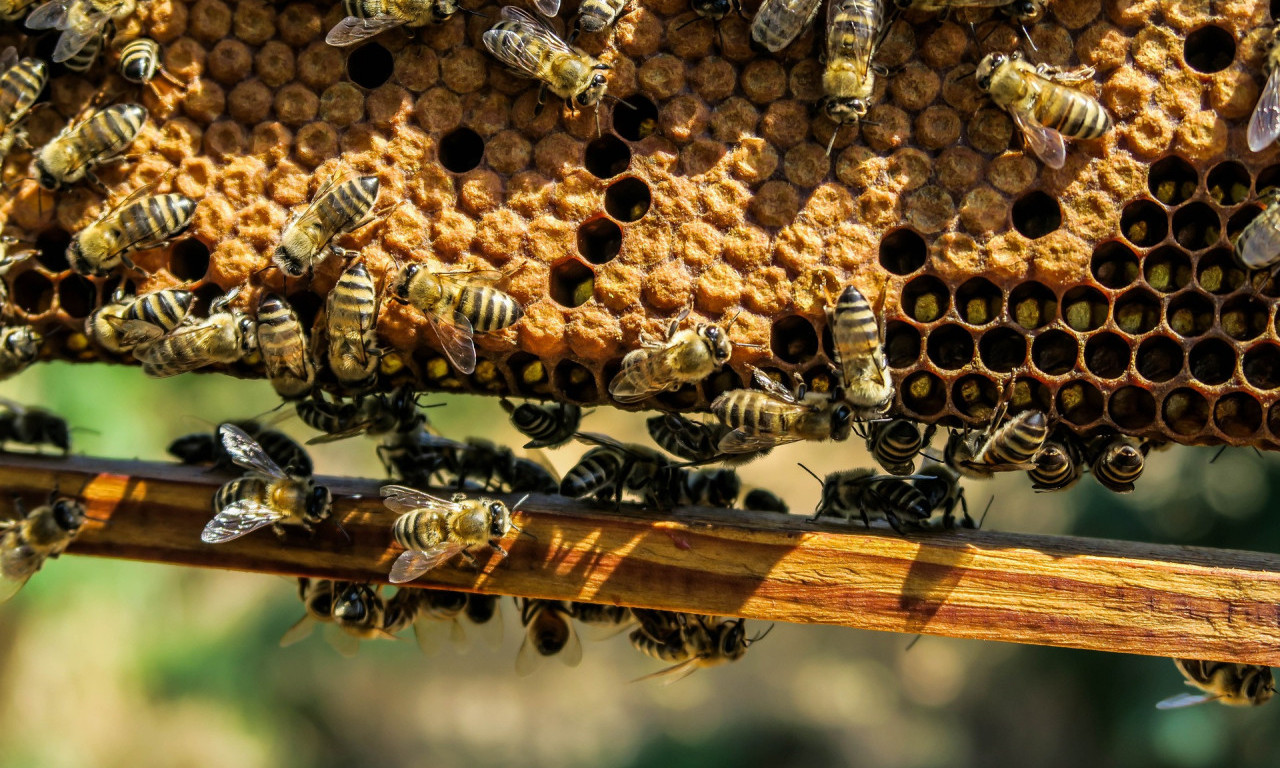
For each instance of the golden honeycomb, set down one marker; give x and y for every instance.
(1105, 291)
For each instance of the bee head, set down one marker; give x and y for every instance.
(400, 286)
(1025, 11)
(732, 641)
(712, 9)
(1260, 686)
(318, 502)
(68, 514)
(841, 421)
(718, 341)
(248, 335)
(48, 180)
(595, 89)
(987, 69)
(26, 341)
(499, 519)
(843, 111)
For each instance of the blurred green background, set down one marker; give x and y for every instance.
(112, 663)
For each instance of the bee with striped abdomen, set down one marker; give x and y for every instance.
(1043, 103)
(338, 207)
(895, 443)
(207, 448)
(374, 414)
(1258, 244)
(225, 336)
(366, 18)
(19, 347)
(21, 82)
(131, 225)
(351, 316)
(864, 368)
(140, 63)
(715, 10)
(433, 530)
(80, 21)
(548, 631)
(760, 420)
(598, 15)
(126, 323)
(317, 600)
(36, 536)
(1232, 684)
(689, 641)
(285, 351)
(940, 486)
(526, 45)
(546, 426)
(778, 22)
(865, 494)
(1014, 445)
(457, 305)
(612, 468)
(686, 357)
(682, 436)
(1058, 466)
(854, 29)
(100, 137)
(608, 618)
(31, 426)
(1264, 124)
(1116, 462)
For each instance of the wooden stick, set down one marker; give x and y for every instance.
(1050, 590)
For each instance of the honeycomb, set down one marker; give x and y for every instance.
(1105, 292)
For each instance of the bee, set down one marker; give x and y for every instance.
(79, 21)
(416, 456)
(853, 33)
(225, 336)
(1116, 462)
(1058, 466)
(760, 500)
(436, 609)
(599, 15)
(360, 612)
(687, 356)
(140, 63)
(1012, 446)
(895, 443)
(207, 448)
(711, 487)
(691, 642)
(681, 436)
(351, 313)
(612, 468)
(148, 222)
(100, 137)
(19, 346)
(608, 617)
(433, 530)
(716, 10)
(33, 426)
(1043, 104)
(284, 348)
(778, 22)
(12, 10)
(548, 632)
(763, 419)
(84, 58)
(457, 308)
(125, 323)
(373, 414)
(1236, 685)
(546, 426)
(317, 600)
(267, 495)
(36, 536)
(21, 82)
(864, 368)
(864, 493)
(366, 18)
(1024, 12)
(1264, 124)
(940, 486)
(337, 207)
(526, 45)
(401, 611)
(1258, 244)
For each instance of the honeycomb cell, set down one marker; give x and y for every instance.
(950, 347)
(1212, 362)
(723, 380)
(599, 240)
(1114, 264)
(1084, 308)
(627, 199)
(1030, 393)
(33, 292)
(1080, 403)
(1144, 223)
(793, 339)
(1137, 311)
(1106, 355)
(1054, 352)
(902, 251)
(1238, 415)
(1132, 408)
(635, 118)
(1240, 219)
(606, 157)
(1036, 214)
(979, 301)
(461, 150)
(1159, 359)
(925, 299)
(1190, 314)
(51, 249)
(1167, 269)
(370, 65)
(529, 375)
(1261, 366)
(975, 396)
(1032, 305)
(576, 382)
(923, 393)
(1243, 317)
(901, 344)
(76, 296)
(1172, 180)
(1185, 411)
(1228, 183)
(1196, 226)
(306, 304)
(189, 259)
(1002, 349)
(1209, 49)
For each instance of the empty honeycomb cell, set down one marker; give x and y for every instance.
(1243, 317)
(902, 251)
(793, 339)
(1167, 269)
(1084, 308)
(1185, 411)
(1106, 355)
(1132, 408)
(189, 259)
(1027, 394)
(576, 382)
(306, 304)
(925, 299)
(724, 380)
(51, 249)
(1158, 359)
(1036, 214)
(370, 65)
(1238, 415)
(635, 118)
(1172, 180)
(901, 343)
(1190, 314)
(1228, 183)
(1209, 49)
(1217, 272)
(1261, 366)
(1196, 226)
(76, 296)
(923, 393)
(975, 396)
(1212, 362)
(1114, 264)
(202, 297)
(1080, 403)
(950, 347)
(1054, 352)
(461, 150)
(1240, 219)
(627, 199)
(33, 292)
(979, 301)
(1144, 223)
(572, 283)
(1137, 311)
(1032, 305)
(599, 240)
(1002, 349)
(606, 156)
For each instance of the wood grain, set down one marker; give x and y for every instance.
(1063, 591)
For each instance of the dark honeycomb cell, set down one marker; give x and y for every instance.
(1002, 349)
(76, 296)
(1196, 226)
(950, 347)
(1268, 177)
(1032, 305)
(203, 297)
(1261, 366)
(306, 305)
(1238, 415)
(189, 260)
(724, 380)
(979, 301)
(461, 150)
(1054, 352)
(1159, 359)
(1137, 311)
(51, 249)
(370, 65)
(627, 200)
(1167, 269)
(1036, 214)
(1243, 317)
(1080, 403)
(901, 344)
(1132, 408)
(599, 240)
(1185, 411)
(606, 156)
(1209, 49)
(635, 118)
(1228, 183)
(1084, 309)
(924, 393)
(793, 339)
(1114, 264)
(1106, 355)
(1240, 219)
(1190, 314)
(576, 382)
(1030, 394)
(975, 396)
(1212, 362)
(1218, 272)
(529, 375)
(902, 251)
(572, 283)
(33, 292)
(1172, 180)
(1144, 223)
(925, 299)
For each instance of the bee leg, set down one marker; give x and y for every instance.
(471, 559)
(542, 100)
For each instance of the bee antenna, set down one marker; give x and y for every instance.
(90, 430)
(690, 21)
(621, 102)
(983, 519)
(522, 500)
(470, 12)
(1216, 455)
(912, 644)
(965, 75)
(870, 122)
(342, 530)
(810, 471)
(761, 636)
(831, 144)
(1030, 42)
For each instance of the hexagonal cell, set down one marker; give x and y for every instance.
(1228, 183)
(724, 380)
(1028, 394)
(1132, 408)
(979, 301)
(1084, 309)
(1144, 223)
(576, 382)
(923, 393)
(1106, 355)
(975, 396)
(793, 339)
(1159, 359)
(370, 65)
(950, 347)
(1190, 314)
(1196, 226)
(606, 156)
(1212, 362)
(1032, 305)
(1036, 214)
(635, 118)
(1243, 317)
(189, 259)
(599, 240)
(487, 377)
(1137, 311)
(306, 305)
(51, 249)
(529, 375)
(572, 283)
(1002, 349)
(461, 150)
(1238, 415)
(203, 297)
(1054, 352)
(1185, 411)
(1080, 403)
(1218, 272)
(902, 251)
(1261, 366)
(627, 199)
(77, 296)
(1172, 180)
(1114, 264)
(925, 299)
(1167, 269)
(33, 292)
(1209, 49)
(901, 344)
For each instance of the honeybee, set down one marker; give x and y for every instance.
(1235, 685)
(1258, 244)
(709, 487)
(457, 307)
(33, 426)
(864, 368)
(12, 10)
(760, 500)
(526, 45)
(613, 468)
(1264, 124)
(853, 33)
(691, 641)
(1058, 466)
(360, 612)
(373, 414)
(763, 419)
(43, 533)
(366, 18)
(778, 22)
(79, 21)
(351, 313)
(98, 138)
(1012, 446)
(1116, 462)
(940, 486)
(207, 448)
(126, 227)
(716, 10)
(546, 426)
(284, 348)
(337, 207)
(681, 436)
(1022, 11)
(125, 323)
(864, 493)
(19, 346)
(687, 356)
(548, 632)
(599, 15)
(317, 599)
(21, 82)
(434, 530)
(225, 336)
(140, 63)
(267, 495)
(1043, 104)
(895, 443)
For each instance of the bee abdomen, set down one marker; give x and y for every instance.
(139, 60)
(164, 309)
(349, 202)
(83, 59)
(153, 220)
(751, 412)
(895, 444)
(1118, 465)
(596, 471)
(113, 128)
(488, 309)
(243, 488)
(1075, 114)
(363, 9)
(1018, 442)
(20, 86)
(1056, 468)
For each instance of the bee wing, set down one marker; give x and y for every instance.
(73, 40)
(1264, 125)
(330, 437)
(246, 452)
(514, 50)
(571, 654)
(630, 386)
(51, 15)
(352, 30)
(673, 673)
(786, 18)
(133, 333)
(595, 438)
(1044, 141)
(412, 563)
(427, 631)
(237, 520)
(490, 632)
(770, 386)
(155, 354)
(739, 441)
(456, 342)
(1186, 700)
(548, 8)
(10, 587)
(847, 37)
(299, 631)
(8, 58)
(401, 498)
(343, 642)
